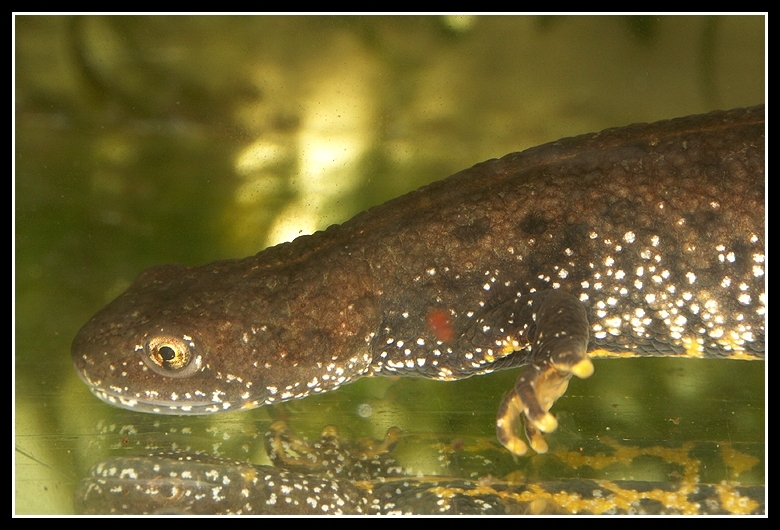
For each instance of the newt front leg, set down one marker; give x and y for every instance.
(559, 341)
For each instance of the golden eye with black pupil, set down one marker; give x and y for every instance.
(171, 355)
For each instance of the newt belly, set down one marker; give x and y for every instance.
(340, 476)
(642, 240)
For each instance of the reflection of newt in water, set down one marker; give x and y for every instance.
(643, 240)
(333, 475)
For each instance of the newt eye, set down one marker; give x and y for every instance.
(172, 356)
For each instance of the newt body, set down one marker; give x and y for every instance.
(642, 240)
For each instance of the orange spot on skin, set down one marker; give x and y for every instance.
(440, 323)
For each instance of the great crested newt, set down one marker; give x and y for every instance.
(645, 240)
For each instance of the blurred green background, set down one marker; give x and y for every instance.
(142, 140)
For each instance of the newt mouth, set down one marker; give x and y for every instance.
(153, 403)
